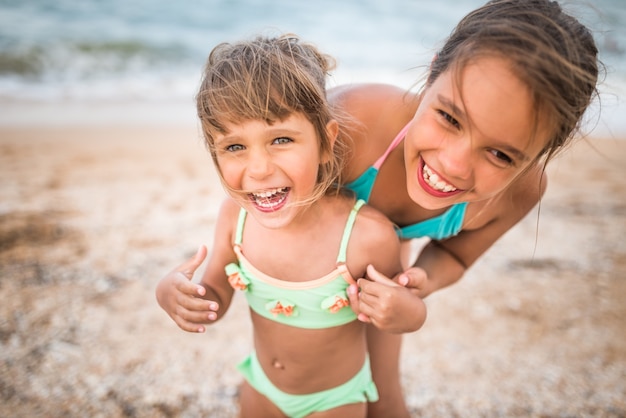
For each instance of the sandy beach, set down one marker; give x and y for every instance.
(92, 216)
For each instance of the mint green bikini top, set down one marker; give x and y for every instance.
(440, 227)
(319, 303)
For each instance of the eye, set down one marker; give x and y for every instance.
(449, 119)
(234, 148)
(282, 140)
(501, 158)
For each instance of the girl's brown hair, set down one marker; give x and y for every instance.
(550, 51)
(268, 79)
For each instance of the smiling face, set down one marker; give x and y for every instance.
(270, 169)
(470, 139)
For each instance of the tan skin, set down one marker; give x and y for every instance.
(494, 206)
(256, 157)
(340, 351)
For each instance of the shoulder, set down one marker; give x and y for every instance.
(227, 217)
(371, 116)
(346, 93)
(229, 209)
(374, 236)
(363, 100)
(370, 225)
(222, 252)
(375, 224)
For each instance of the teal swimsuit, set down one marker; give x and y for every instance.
(314, 304)
(440, 227)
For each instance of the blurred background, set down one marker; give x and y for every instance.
(151, 51)
(105, 186)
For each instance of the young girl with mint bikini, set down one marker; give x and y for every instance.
(286, 237)
(504, 94)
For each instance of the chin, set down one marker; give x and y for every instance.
(275, 220)
(430, 202)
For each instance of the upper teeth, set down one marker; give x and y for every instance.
(268, 193)
(435, 182)
(270, 198)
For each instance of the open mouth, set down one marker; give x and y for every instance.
(270, 200)
(433, 184)
(433, 180)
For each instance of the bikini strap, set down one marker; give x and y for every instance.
(392, 146)
(240, 222)
(347, 231)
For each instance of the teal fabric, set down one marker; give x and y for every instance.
(440, 227)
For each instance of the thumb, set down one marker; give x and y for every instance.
(376, 276)
(414, 278)
(189, 267)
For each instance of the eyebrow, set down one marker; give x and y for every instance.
(512, 150)
(460, 114)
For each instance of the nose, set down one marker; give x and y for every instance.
(456, 158)
(259, 164)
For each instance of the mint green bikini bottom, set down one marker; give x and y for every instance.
(360, 388)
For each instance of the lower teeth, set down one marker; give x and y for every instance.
(269, 202)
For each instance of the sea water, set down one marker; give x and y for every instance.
(152, 51)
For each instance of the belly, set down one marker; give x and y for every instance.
(300, 360)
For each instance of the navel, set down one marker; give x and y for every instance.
(277, 364)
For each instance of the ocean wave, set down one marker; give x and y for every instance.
(118, 49)
(89, 60)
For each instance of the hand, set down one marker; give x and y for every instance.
(384, 303)
(414, 279)
(183, 300)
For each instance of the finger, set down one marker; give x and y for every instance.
(375, 276)
(403, 279)
(367, 299)
(194, 304)
(183, 285)
(194, 320)
(189, 326)
(189, 267)
(197, 317)
(368, 290)
(355, 303)
(353, 297)
(364, 318)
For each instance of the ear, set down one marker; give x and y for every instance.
(332, 130)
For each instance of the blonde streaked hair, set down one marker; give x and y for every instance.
(269, 79)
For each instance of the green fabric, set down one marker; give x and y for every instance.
(320, 303)
(359, 389)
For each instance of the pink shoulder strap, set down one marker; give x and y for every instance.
(392, 146)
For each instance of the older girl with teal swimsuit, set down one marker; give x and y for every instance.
(461, 162)
(286, 237)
